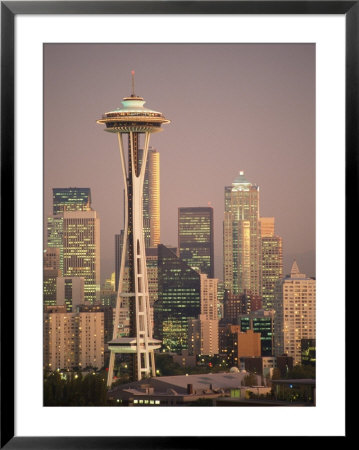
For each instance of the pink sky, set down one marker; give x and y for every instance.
(233, 107)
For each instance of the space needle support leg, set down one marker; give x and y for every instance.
(122, 269)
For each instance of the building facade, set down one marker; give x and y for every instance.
(241, 238)
(272, 260)
(71, 199)
(260, 321)
(295, 318)
(179, 292)
(235, 344)
(235, 305)
(70, 291)
(81, 250)
(195, 238)
(54, 232)
(73, 341)
(74, 229)
(52, 258)
(49, 286)
(203, 331)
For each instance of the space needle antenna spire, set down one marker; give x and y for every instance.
(133, 83)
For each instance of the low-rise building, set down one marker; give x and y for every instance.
(179, 390)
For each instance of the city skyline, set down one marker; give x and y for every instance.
(257, 130)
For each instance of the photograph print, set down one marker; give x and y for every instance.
(179, 225)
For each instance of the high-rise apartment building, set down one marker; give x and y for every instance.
(272, 260)
(241, 237)
(294, 320)
(73, 340)
(108, 313)
(81, 250)
(179, 291)
(195, 238)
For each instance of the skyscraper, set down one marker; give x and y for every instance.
(241, 236)
(195, 238)
(71, 199)
(49, 286)
(134, 120)
(203, 331)
(52, 258)
(151, 198)
(294, 318)
(261, 322)
(65, 199)
(272, 260)
(70, 292)
(179, 299)
(55, 235)
(81, 250)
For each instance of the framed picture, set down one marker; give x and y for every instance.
(207, 59)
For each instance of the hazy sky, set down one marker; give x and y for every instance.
(232, 107)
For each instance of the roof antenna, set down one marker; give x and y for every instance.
(133, 83)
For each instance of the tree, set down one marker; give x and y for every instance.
(250, 380)
(276, 375)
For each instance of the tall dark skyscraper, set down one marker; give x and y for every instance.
(71, 199)
(179, 292)
(195, 238)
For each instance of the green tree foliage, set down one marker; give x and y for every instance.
(75, 390)
(301, 372)
(166, 366)
(276, 375)
(250, 380)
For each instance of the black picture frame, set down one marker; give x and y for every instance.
(9, 10)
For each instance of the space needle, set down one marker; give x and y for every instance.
(134, 120)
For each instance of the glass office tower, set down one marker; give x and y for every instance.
(195, 238)
(179, 292)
